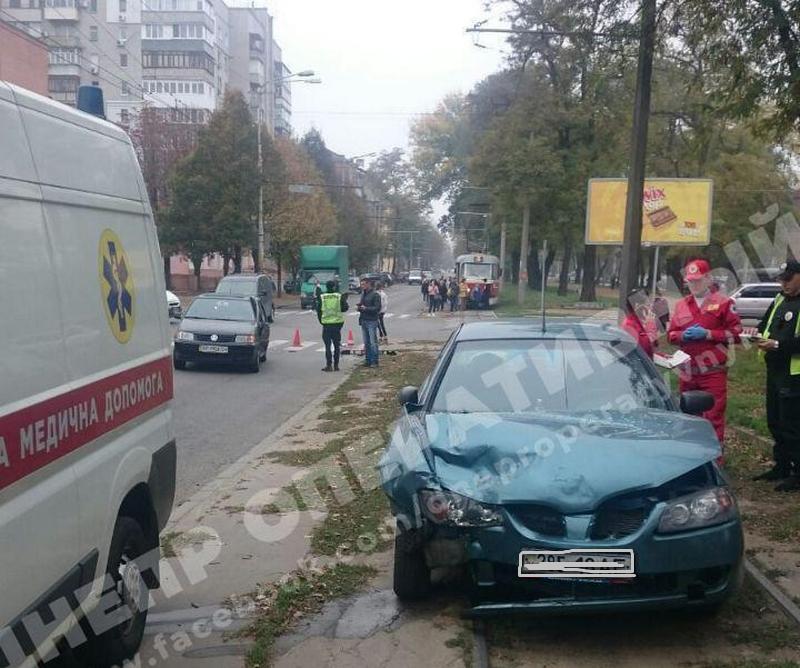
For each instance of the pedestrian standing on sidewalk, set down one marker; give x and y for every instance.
(463, 294)
(704, 324)
(640, 323)
(384, 305)
(331, 307)
(779, 347)
(369, 309)
(433, 295)
(453, 293)
(423, 287)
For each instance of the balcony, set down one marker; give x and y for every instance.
(61, 13)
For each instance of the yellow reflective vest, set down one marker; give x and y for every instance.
(332, 309)
(794, 364)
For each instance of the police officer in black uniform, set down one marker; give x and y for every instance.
(780, 348)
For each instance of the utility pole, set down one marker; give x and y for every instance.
(632, 239)
(502, 247)
(523, 254)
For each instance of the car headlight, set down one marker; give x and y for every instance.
(184, 336)
(698, 510)
(449, 508)
(245, 338)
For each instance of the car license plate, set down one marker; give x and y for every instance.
(607, 563)
(213, 349)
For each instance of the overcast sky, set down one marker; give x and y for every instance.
(381, 61)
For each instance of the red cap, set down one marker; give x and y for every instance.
(696, 269)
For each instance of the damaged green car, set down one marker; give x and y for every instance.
(557, 469)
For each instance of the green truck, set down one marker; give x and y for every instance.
(321, 263)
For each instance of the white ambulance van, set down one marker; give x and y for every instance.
(87, 450)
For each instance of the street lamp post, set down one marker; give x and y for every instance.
(306, 76)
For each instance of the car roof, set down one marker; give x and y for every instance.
(768, 284)
(241, 277)
(531, 328)
(223, 297)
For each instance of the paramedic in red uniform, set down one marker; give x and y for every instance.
(704, 324)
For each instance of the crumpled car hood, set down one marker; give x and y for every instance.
(572, 462)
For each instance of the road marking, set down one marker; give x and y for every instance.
(320, 350)
(388, 315)
(404, 316)
(302, 346)
(353, 314)
(274, 343)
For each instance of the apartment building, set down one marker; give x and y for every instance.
(23, 59)
(181, 56)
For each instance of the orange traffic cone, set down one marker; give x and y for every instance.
(350, 341)
(296, 344)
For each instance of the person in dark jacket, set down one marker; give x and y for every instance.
(779, 347)
(369, 309)
(331, 307)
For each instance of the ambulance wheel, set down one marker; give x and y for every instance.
(121, 642)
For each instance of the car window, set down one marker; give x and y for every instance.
(220, 309)
(768, 291)
(236, 288)
(748, 293)
(552, 375)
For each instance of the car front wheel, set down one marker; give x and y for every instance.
(121, 642)
(412, 577)
(178, 364)
(255, 364)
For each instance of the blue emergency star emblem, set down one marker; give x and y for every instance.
(116, 286)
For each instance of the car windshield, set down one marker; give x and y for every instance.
(221, 309)
(530, 376)
(478, 270)
(237, 288)
(323, 275)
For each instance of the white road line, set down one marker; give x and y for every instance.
(353, 314)
(302, 346)
(388, 315)
(320, 350)
(274, 343)
(404, 316)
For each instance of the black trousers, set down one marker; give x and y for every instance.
(332, 339)
(783, 421)
(381, 326)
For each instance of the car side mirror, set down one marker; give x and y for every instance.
(696, 402)
(408, 395)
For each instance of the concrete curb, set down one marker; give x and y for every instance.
(234, 472)
(772, 589)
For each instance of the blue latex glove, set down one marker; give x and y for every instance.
(695, 333)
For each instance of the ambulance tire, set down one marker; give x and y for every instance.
(117, 644)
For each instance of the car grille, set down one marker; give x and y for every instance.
(611, 523)
(540, 519)
(221, 338)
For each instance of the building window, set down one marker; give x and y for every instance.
(123, 34)
(62, 84)
(93, 6)
(124, 116)
(123, 60)
(173, 88)
(125, 89)
(123, 6)
(14, 4)
(92, 33)
(200, 88)
(61, 56)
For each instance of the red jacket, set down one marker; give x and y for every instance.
(718, 316)
(645, 334)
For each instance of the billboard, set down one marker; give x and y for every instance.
(676, 211)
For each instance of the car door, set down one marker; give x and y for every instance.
(263, 329)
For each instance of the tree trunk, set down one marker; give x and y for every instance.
(578, 268)
(256, 263)
(167, 272)
(515, 266)
(237, 259)
(563, 276)
(588, 293)
(280, 267)
(226, 262)
(524, 251)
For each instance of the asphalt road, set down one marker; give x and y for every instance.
(220, 413)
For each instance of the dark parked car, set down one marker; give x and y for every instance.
(259, 286)
(557, 469)
(290, 286)
(222, 329)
